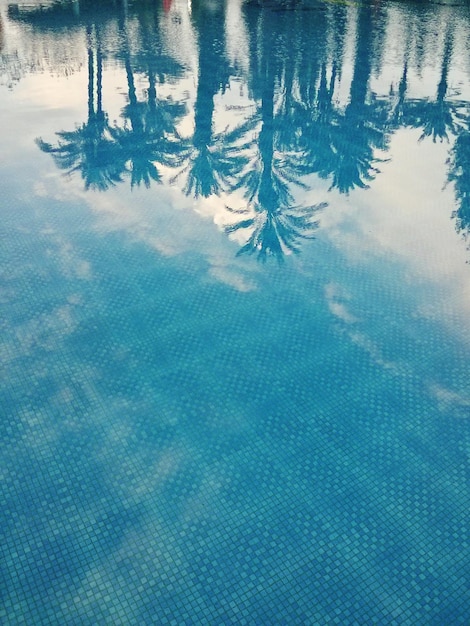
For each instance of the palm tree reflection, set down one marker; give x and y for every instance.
(341, 146)
(459, 174)
(436, 117)
(90, 148)
(298, 126)
(104, 153)
(148, 139)
(274, 231)
(213, 160)
(2, 40)
(276, 222)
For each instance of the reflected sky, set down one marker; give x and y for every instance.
(235, 292)
(276, 149)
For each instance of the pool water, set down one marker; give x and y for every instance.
(235, 312)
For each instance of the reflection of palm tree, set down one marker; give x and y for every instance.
(398, 112)
(214, 167)
(276, 223)
(148, 139)
(153, 60)
(341, 146)
(2, 41)
(89, 149)
(437, 117)
(352, 160)
(214, 160)
(144, 144)
(360, 131)
(274, 232)
(102, 154)
(459, 174)
(398, 103)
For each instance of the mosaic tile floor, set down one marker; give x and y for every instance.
(192, 436)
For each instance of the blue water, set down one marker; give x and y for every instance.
(235, 313)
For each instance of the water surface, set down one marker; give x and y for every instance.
(235, 304)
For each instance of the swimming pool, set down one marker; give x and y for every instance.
(235, 296)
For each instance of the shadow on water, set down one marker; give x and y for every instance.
(295, 127)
